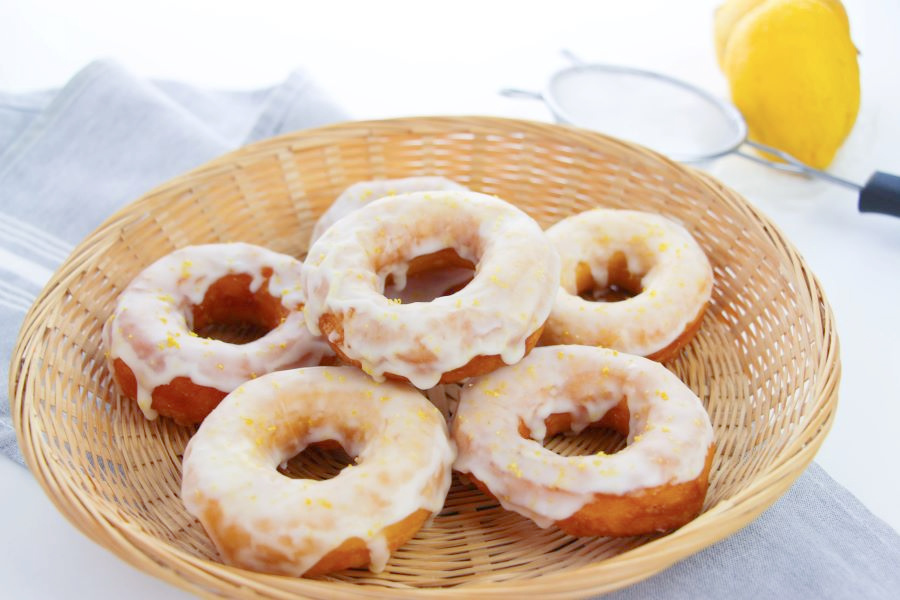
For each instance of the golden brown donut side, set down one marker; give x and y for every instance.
(478, 365)
(660, 508)
(354, 553)
(183, 400)
(231, 540)
(650, 510)
(673, 349)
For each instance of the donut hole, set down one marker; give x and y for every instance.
(608, 435)
(432, 276)
(233, 313)
(318, 461)
(621, 284)
(590, 440)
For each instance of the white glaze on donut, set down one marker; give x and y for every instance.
(365, 192)
(151, 328)
(668, 440)
(509, 298)
(676, 284)
(230, 482)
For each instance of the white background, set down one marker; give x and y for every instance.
(387, 59)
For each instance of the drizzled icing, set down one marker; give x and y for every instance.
(676, 284)
(509, 298)
(151, 326)
(360, 194)
(230, 482)
(668, 440)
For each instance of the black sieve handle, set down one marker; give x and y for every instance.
(881, 194)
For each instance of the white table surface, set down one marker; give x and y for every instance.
(383, 59)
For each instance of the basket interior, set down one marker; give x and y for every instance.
(762, 362)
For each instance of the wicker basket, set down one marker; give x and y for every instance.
(765, 362)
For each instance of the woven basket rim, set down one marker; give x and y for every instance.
(717, 522)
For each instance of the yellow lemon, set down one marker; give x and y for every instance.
(730, 13)
(793, 73)
(727, 16)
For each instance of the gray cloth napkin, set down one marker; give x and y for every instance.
(817, 541)
(70, 157)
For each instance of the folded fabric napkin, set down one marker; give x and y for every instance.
(70, 157)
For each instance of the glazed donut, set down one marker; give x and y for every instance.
(159, 360)
(656, 483)
(262, 520)
(640, 253)
(360, 194)
(496, 319)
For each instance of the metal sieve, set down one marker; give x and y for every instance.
(678, 119)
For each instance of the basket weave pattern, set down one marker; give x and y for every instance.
(765, 362)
